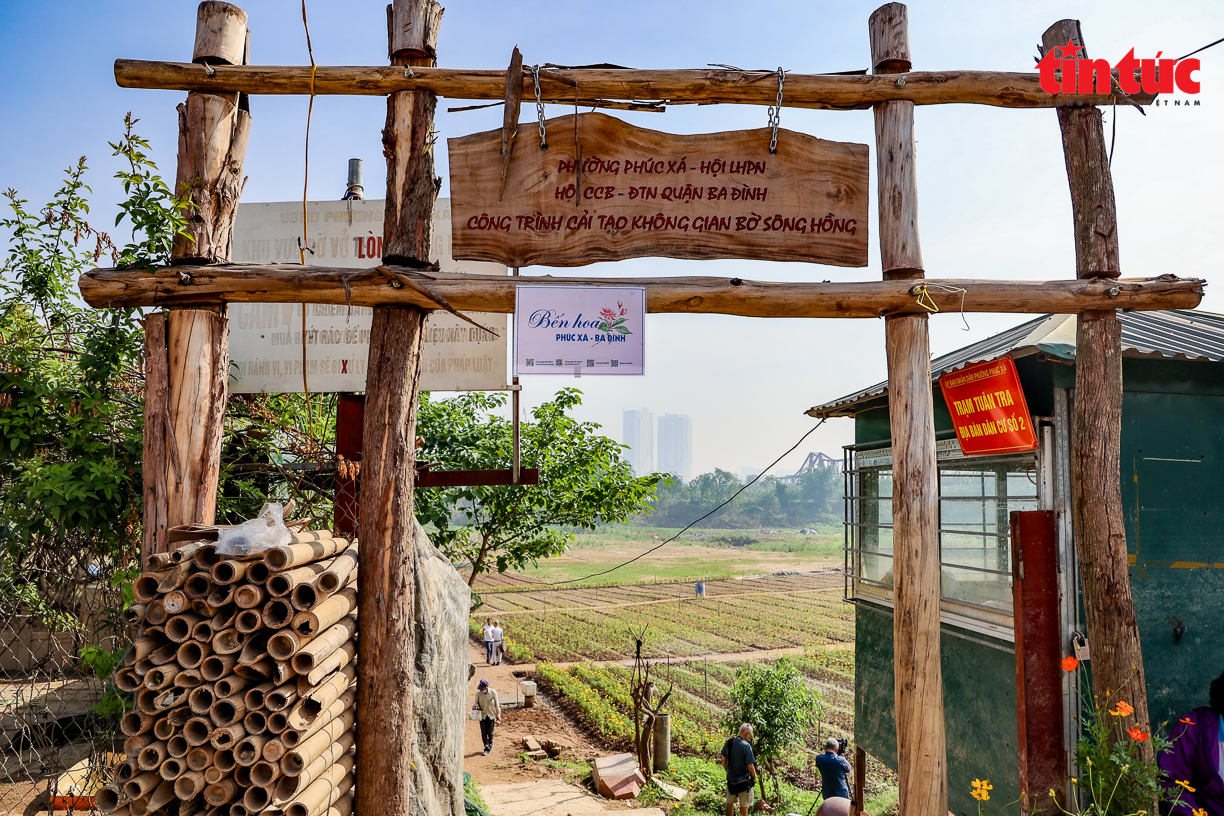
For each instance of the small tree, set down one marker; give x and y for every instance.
(583, 480)
(646, 709)
(781, 708)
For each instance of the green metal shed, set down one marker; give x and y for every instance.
(1172, 454)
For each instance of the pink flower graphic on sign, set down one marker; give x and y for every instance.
(612, 320)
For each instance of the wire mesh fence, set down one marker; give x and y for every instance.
(60, 637)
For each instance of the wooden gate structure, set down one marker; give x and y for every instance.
(188, 359)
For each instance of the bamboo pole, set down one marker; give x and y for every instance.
(918, 682)
(255, 722)
(189, 785)
(318, 649)
(319, 751)
(227, 711)
(171, 769)
(250, 749)
(331, 611)
(331, 784)
(109, 798)
(335, 660)
(221, 792)
(302, 552)
(277, 613)
(216, 666)
(1099, 523)
(282, 583)
(273, 283)
(227, 736)
(200, 757)
(265, 774)
(821, 91)
(307, 710)
(340, 711)
(249, 596)
(151, 756)
(282, 696)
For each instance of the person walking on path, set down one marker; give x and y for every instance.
(490, 713)
(499, 645)
(488, 641)
(740, 763)
(833, 770)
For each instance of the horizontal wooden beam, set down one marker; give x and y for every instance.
(282, 283)
(476, 478)
(827, 91)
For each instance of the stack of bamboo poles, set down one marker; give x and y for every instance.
(244, 677)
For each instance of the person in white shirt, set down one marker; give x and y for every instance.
(499, 645)
(488, 641)
(490, 713)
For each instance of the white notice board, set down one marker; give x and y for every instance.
(266, 338)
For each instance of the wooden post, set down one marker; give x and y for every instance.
(156, 443)
(386, 730)
(921, 749)
(1099, 529)
(185, 405)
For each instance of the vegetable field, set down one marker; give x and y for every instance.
(564, 626)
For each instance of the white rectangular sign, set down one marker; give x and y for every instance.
(587, 330)
(266, 338)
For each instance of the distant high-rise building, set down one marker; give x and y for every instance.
(639, 436)
(676, 445)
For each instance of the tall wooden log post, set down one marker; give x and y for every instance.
(921, 749)
(1098, 522)
(181, 483)
(386, 729)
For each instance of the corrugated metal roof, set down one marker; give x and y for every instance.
(1171, 334)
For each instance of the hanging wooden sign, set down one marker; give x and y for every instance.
(604, 190)
(988, 409)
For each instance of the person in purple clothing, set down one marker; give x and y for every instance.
(1196, 759)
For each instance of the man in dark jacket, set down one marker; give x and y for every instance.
(1196, 759)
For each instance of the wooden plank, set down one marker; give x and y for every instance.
(1096, 489)
(155, 440)
(643, 193)
(922, 772)
(198, 367)
(821, 91)
(291, 283)
(462, 478)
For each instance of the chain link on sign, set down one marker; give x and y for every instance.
(535, 80)
(775, 113)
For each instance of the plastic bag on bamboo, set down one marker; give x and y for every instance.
(257, 535)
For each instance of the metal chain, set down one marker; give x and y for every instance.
(535, 79)
(775, 113)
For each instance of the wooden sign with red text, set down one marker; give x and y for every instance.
(988, 408)
(645, 193)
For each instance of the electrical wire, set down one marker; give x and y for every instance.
(703, 518)
(1204, 48)
(305, 245)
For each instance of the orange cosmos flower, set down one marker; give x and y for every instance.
(1137, 735)
(1070, 664)
(1185, 783)
(1124, 709)
(1186, 720)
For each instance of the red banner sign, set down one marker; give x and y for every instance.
(988, 408)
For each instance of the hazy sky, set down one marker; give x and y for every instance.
(992, 184)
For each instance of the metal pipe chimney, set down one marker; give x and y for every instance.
(354, 189)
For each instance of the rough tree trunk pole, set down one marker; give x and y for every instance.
(1098, 523)
(385, 669)
(921, 748)
(192, 345)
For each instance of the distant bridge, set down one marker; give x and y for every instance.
(814, 461)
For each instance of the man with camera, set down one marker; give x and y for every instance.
(834, 770)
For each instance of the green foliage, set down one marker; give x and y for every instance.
(583, 480)
(767, 503)
(71, 388)
(114, 703)
(780, 707)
